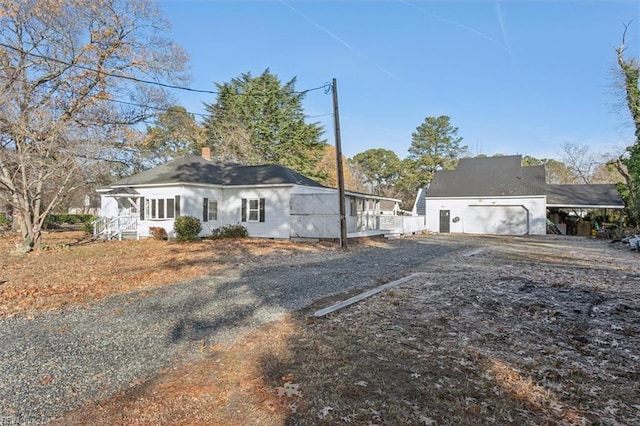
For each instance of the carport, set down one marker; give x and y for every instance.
(574, 201)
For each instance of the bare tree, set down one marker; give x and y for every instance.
(628, 164)
(607, 172)
(74, 77)
(580, 160)
(230, 141)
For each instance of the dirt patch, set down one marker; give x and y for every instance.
(529, 331)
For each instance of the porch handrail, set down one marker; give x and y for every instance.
(402, 224)
(111, 227)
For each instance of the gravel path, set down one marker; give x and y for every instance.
(58, 361)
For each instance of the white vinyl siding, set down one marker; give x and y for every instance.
(496, 220)
(497, 215)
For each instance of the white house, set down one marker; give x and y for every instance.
(497, 195)
(271, 201)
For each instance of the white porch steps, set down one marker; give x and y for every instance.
(120, 227)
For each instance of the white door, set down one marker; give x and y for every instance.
(500, 220)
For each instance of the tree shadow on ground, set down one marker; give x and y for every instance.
(522, 348)
(484, 341)
(198, 317)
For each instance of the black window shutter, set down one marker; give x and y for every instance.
(262, 203)
(177, 206)
(244, 210)
(141, 201)
(205, 210)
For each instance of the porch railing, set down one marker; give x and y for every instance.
(115, 227)
(402, 224)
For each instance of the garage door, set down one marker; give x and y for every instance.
(501, 220)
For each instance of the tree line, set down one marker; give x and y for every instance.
(247, 125)
(85, 99)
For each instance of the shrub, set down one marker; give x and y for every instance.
(68, 218)
(50, 222)
(158, 232)
(229, 231)
(187, 228)
(5, 223)
(88, 227)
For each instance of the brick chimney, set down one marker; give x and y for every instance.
(206, 153)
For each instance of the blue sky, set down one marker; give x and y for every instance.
(516, 77)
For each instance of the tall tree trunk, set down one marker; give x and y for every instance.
(631, 76)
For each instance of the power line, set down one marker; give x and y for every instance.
(171, 109)
(163, 109)
(139, 80)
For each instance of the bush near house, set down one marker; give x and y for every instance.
(158, 232)
(5, 223)
(87, 227)
(229, 231)
(68, 218)
(187, 228)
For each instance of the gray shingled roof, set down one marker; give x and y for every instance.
(194, 169)
(595, 196)
(119, 192)
(488, 177)
(505, 176)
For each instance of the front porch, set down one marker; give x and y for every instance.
(119, 227)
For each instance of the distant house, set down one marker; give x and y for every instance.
(497, 195)
(271, 201)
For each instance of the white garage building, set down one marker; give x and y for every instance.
(497, 195)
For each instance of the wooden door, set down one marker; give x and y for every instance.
(444, 221)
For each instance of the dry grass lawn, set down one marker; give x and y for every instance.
(526, 332)
(73, 269)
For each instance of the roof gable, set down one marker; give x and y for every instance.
(488, 177)
(505, 176)
(194, 169)
(502, 162)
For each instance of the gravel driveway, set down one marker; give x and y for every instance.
(56, 361)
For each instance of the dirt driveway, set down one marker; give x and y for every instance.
(535, 330)
(55, 361)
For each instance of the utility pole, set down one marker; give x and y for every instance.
(340, 172)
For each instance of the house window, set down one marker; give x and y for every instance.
(209, 210)
(253, 209)
(213, 209)
(171, 208)
(353, 210)
(161, 208)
